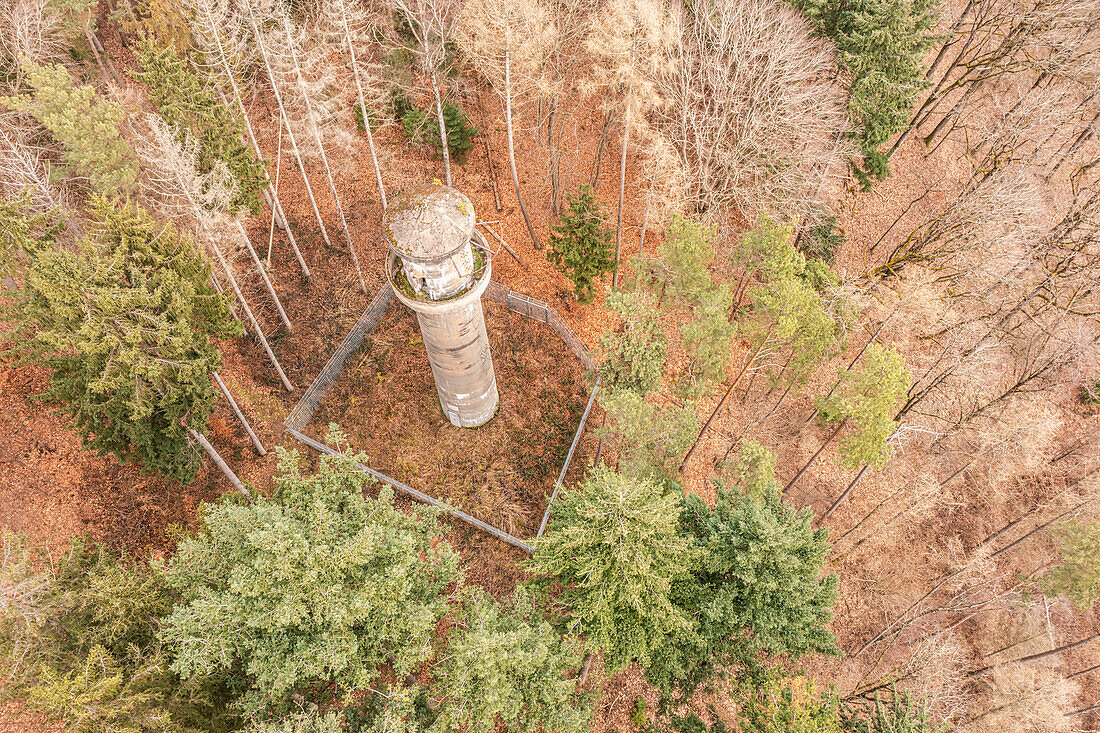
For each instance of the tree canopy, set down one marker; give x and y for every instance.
(615, 547)
(329, 584)
(125, 322)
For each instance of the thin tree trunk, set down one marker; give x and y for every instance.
(606, 125)
(240, 415)
(251, 316)
(585, 665)
(321, 149)
(286, 122)
(622, 174)
(1038, 656)
(269, 193)
(1085, 134)
(222, 465)
(263, 275)
(439, 116)
(554, 162)
(363, 105)
(622, 189)
(729, 390)
(847, 491)
(511, 144)
(814, 457)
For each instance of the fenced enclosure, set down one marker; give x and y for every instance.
(516, 302)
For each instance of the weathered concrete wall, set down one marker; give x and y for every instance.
(458, 349)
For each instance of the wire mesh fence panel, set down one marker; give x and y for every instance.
(302, 413)
(539, 310)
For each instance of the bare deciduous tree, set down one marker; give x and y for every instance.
(751, 110)
(509, 41)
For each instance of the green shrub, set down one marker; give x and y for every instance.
(580, 245)
(423, 127)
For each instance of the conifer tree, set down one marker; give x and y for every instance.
(506, 663)
(633, 357)
(882, 44)
(651, 440)
(187, 102)
(329, 583)
(1077, 575)
(580, 245)
(124, 322)
(866, 399)
(86, 126)
(24, 232)
(709, 337)
(760, 571)
(614, 546)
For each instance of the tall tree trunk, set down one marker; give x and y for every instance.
(622, 189)
(554, 163)
(240, 415)
(729, 390)
(270, 193)
(321, 148)
(438, 111)
(645, 221)
(263, 275)
(815, 456)
(843, 496)
(286, 122)
(221, 464)
(604, 128)
(511, 144)
(363, 105)
(251, 316)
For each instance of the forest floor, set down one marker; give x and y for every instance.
(51, 489)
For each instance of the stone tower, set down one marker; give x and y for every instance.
(439, 265)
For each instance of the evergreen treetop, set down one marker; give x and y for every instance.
(188, 102)
(881, 44)
(761, 571)
(581, 246)
(326, 583)
(633, 357)
(124, 322)
(86, 126)
(866, 399)
(506, 663)
(614, 546)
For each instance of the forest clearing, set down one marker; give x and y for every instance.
(695, 366)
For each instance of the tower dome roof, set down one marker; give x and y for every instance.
(428, 223)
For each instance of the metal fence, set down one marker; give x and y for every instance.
(537, 310)
(302, 413)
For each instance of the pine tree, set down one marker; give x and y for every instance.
(780, 704)
(614, 546)
(124, 322)
(329, 583)
(760, 572)
(580, 245)
(709, 337)
(633, 357)
(86, 126)
(187, 102)
(506, 663)
(1077, 575)
(651, 440)
(865, 399)
(882, 45)
(685, 255)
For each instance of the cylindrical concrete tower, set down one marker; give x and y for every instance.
(439, 265)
